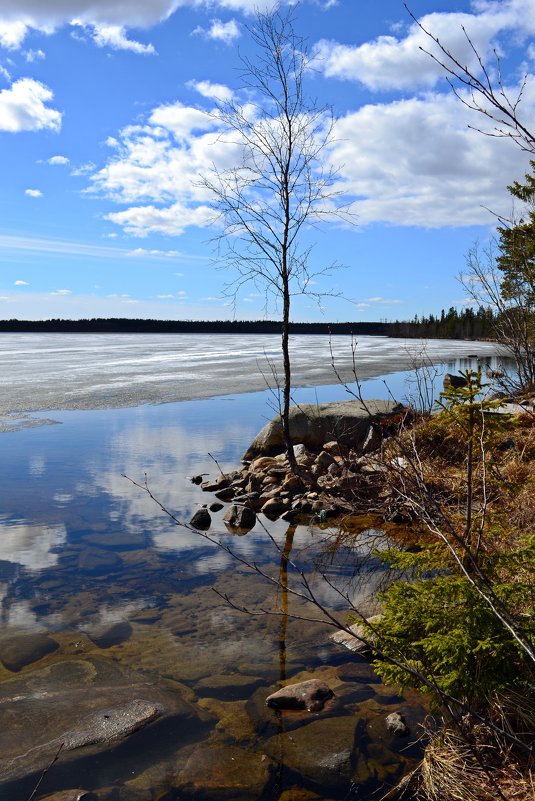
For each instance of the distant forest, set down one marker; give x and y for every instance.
(466, 324)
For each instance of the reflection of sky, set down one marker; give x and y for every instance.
(64, 484)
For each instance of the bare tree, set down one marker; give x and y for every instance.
(486, 92)
(280, 184)
(514, 315)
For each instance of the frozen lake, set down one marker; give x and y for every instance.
(85, 371)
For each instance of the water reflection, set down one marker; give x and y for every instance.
(90, 559)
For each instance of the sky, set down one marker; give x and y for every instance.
(108, 121)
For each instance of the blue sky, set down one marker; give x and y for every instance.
(105, 126)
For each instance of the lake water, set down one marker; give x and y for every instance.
(101, 592)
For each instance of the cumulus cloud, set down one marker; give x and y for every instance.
(212, 91)
(23, 107)
(18, 17)
(226, 32)
(33, 192)
(20, 282)
(391, 62)
(58, 160)
(116, 38)
(415, 162)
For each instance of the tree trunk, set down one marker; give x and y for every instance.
(286, 390)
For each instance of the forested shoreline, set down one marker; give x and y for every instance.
(451, 324)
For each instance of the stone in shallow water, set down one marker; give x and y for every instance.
(85, 702)
(310, 695)
(219, 773)
(321, 752)
(24, 649)
(201, 520)
(228, 687)
(240, 517)
(97, 562)
(112, 635)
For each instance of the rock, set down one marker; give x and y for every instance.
(97, 562)
(240, 517)
(223, 773)
(201, 520)
(273, 508)
(112, 635)
(111, 722)
(312, 425)
(213, 486)
(263, 463)
(225, 494)
(86, 703)
(395, 723)
(228, 687)
(321, 752)
(216, 506)
(455, 381)
(24, 649)
(310, 695)
(359, 641)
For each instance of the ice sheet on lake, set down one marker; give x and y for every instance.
(92, 371)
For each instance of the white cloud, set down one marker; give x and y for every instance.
(33, 192)
(58, 160)
(212, 91)
(173, 220)
(21, 283)
(23, 107)
(62, 292)
(390, 62)
(143, 253)
(416, 163)
(18, 17)
(226, 32)
(5, 73)
(115, 36)
(34, 55)
(12, 33)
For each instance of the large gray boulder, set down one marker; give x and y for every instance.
(346, 422)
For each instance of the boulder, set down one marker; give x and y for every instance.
(89, 704)
(112, 635)
(310, 695)
(222, 772)
(201, 520)
(361, 641)
(273, 508)
(23, 649)
(240, 517)
(312, 425)
(395, 724)
(455, 381)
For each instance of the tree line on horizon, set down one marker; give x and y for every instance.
(450, 324)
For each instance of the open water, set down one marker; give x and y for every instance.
(94, 576)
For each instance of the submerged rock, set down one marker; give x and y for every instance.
(24, 649)
(310, 695)
(224, 773)
(321, 752)
(85, 703)
(111, 635)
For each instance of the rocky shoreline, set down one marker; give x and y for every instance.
(336, 448)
